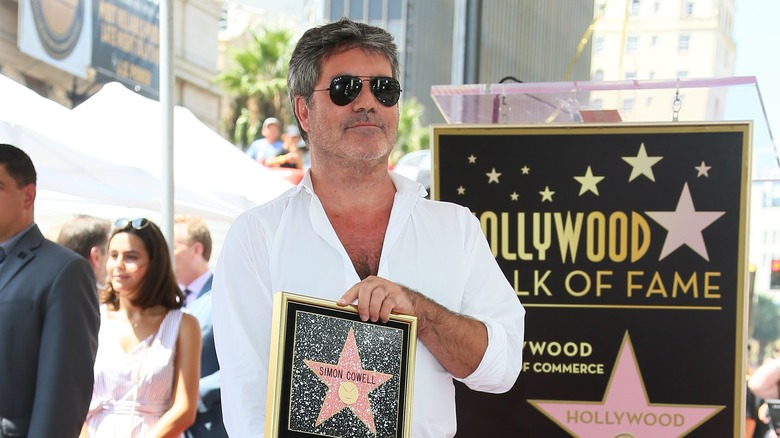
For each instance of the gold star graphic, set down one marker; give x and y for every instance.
(525, 170)
(514, 196)
(547, 194)
(589, 182)
(472, 159)
(642, 164)
(493, 176)
(461, 190)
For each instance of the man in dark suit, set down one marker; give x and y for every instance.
(191, 252)
(49, 317)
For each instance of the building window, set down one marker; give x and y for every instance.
(687, 9)
(632, 44)
(684, 43)
(597, 104)
(356, 10)
(336, 9)
(681, 74)
(599, 44)
(634, 7)
(649, 101)
(656, 6)
(628, 104)
(654, 40)
(630, 76)
(651, 75)
(599, 75)
(375, 12)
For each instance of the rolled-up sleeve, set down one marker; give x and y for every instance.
(491, 299)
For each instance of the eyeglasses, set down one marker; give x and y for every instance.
(345, 89)
(137, 223)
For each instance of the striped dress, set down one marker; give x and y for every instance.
(132, 389)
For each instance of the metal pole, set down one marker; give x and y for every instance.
(166, 105)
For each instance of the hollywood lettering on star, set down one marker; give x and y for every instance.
(624, 238)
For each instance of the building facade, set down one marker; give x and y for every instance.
(196, 25)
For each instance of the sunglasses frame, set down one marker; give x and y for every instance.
(342, 89)
(138, 223)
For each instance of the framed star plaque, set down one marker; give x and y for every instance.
(331, 374)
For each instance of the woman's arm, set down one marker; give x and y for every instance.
(765, 379)
(185, 387)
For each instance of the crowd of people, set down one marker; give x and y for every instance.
(122, 338)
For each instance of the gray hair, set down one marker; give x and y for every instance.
(320, 43)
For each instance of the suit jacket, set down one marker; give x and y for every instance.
(49, 322)
(208, 422)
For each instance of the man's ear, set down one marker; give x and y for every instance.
(29, 196)
(198, 246)
(302, 112)
(94, 256)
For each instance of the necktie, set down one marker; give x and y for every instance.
(187, 294)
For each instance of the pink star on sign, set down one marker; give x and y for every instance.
(625, 408)
(348, 384)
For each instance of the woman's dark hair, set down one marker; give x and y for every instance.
(159, 284)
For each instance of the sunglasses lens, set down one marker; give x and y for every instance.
(140, 223)
(121, 223)
(386, 90)
(345, 89)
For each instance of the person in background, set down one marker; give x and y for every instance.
(148, 361)
(48, 317)
(352, 224)
(292, 155)
(270, 144)
(88, 237)
(192, 251)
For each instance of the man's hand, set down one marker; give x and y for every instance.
(457, 341)
(377, 298)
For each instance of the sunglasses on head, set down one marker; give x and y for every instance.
(138, 223)
(346, 88)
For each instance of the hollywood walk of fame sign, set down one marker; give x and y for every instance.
(331, 374)
(626, 243)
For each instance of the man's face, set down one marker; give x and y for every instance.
(271, 132)
(183, 254)
(15, 205)
(363, 130)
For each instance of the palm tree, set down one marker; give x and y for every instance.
(766, 329)
(258, 82)
(412, 135)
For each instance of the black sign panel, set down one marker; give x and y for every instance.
(126, 44)
(627, 246)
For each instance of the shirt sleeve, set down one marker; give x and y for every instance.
(242, 306)
(491, 299)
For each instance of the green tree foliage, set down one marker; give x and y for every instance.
(767, 324)
(258, 83)
(412, 135)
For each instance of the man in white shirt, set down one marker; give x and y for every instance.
(352, 231)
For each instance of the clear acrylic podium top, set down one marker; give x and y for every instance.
(677, 100)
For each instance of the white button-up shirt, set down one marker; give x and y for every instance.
(435, 248)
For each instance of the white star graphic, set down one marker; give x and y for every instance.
(547, 194)
(493, 176)
(472, 159)
(525, 170)
(642, 164)
(514, 196)
(461, 190)
(589, 182)
(703, 170)
(684, 225)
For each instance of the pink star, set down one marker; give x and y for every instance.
(348, 384)
(625, 408)
(684, 225)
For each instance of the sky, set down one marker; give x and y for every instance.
(757, 35)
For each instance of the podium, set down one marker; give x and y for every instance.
(618, 212)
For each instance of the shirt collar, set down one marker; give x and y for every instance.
(403, 185)
(9, 244)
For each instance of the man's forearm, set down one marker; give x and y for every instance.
(457, 341)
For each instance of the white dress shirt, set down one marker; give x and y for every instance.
(433, 247)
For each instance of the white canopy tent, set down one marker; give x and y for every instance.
(120, 126)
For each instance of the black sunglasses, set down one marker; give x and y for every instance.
(344, 89)
(138, 223)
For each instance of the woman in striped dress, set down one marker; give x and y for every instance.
(148, 360)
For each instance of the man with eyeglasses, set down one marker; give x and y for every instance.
(351, 231)
(49, 317)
